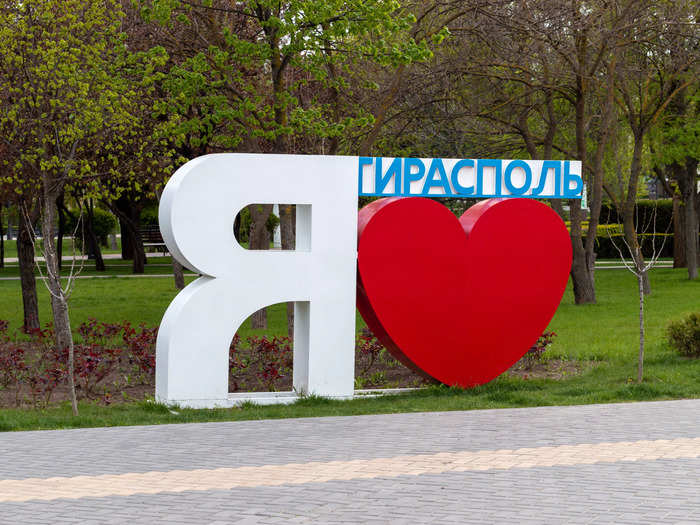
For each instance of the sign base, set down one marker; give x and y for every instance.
(273, 398)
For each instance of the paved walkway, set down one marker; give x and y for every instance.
(624, 463)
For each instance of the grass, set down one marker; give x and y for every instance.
(605, 386)
(155, 265)
(11, 247)
(606, 333)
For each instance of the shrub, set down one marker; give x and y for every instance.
(13, 368)
(605, 245)
(267, 360)
(367, 349)
(149, 215)
(108, 358)
(273, 359)
(535, 353)
(141, 350)
(272, 223)
(103, 222)
(684, 335)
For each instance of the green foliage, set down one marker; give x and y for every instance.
(684, 335)
(679, 136)
(103, 223)
(61, 86)
(149, 216)
(272, 223)
(74, 98)
(276, 71)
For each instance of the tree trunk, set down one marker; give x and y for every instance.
(629, 207)
(25, 255)
(64, 212)
(129, 217)
(59, 302)
(178, 275)
(640, 362)
(127, 242)
(634, 248)
(10, 236)
(288, 234)
(61, 229)
(691, 237)
(584, 289)
(2, 241)
(598, 173)
(691, 218)
(139, 262)
(380, 115)
(90, 238)
(259, 239)
(558, 207)
(679, 260)
(581, 277)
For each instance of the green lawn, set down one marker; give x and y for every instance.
(11, 247)
(504, 392)
(155, 265)
(606, 333)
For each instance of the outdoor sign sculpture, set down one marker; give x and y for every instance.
(457, 299)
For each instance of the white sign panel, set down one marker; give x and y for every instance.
(475, 178)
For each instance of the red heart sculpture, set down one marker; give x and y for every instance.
(460, 300)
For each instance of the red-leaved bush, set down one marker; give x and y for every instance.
(535, 353)
(367, 349)
(119, 359)
(107, 358)
(269, 361)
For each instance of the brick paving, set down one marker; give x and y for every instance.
(622, 463)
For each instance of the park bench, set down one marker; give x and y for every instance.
(152, 238)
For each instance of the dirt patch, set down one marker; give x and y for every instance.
(122, 380)
(33, 374)
(11, 398)
(380, 371)
(551, 369)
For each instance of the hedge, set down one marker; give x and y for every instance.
(606, 250)
(103, 223)
(644, 212)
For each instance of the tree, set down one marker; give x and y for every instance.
(676, 152)
(659, 63)
(640, 269)
(545, 78)
(529, 79)
(242, 89)
(61, 63)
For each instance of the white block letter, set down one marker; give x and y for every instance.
(197, 210)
